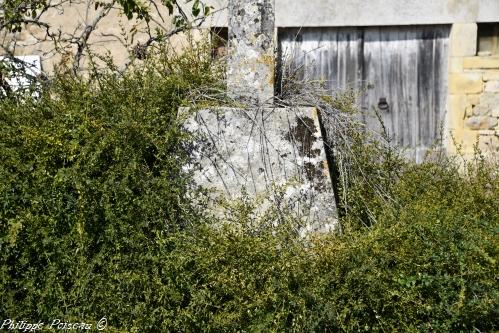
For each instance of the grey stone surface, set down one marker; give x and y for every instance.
(488, 11)
(272, 153)
(335, 13)
(488, 106)
(250, 67)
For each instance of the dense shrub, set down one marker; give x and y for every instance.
(95, 221)
(91, 183)
(429, 265)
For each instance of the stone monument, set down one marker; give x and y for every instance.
(256, 149)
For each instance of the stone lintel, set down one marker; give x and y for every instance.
(490, 62)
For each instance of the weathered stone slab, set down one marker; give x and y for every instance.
(276, 153)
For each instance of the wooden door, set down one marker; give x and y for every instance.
(401, 72)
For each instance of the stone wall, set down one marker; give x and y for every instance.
(115, 35)
(473, 101)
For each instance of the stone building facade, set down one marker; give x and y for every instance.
(467, 42)
(473, 104)
(466, 33)
(114, 34)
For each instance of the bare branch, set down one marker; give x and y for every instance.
(81, 42)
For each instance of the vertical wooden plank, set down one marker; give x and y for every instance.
(440, 73)
(373, 78)
(331, 54)
(405, 65)
(410, 93)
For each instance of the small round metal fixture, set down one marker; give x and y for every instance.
(383, 104)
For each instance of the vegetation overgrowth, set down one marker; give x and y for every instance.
(95, 221)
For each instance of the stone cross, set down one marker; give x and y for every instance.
(250, 73)
(274, 156)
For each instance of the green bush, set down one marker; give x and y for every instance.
(429, 264)
(95, 222)
(91, 183)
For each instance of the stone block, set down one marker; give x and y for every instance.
(489, 99)
(456, 65)
(481, 62)
(474, 99)
(457, 110)
(466, 83)
(492, 86)
(463, 39)
(481, 122)
(261, 152)
(481, 110)
(491, 75)
(464, 139)
(457, 103)
(488, 143)
(495, 111)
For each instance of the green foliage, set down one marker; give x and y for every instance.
(429, 264)
(17, 12)
(95, 221)
(91, 185)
